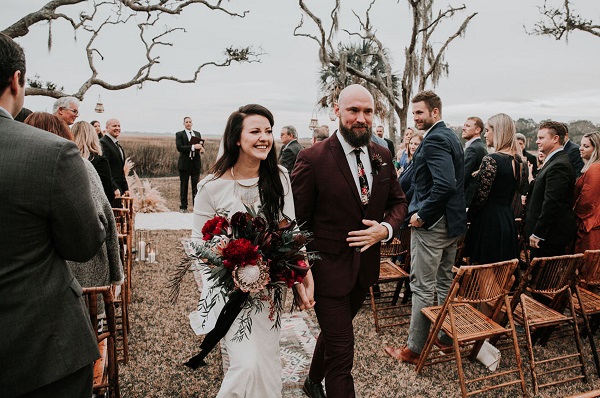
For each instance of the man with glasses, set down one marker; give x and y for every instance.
(67, 109)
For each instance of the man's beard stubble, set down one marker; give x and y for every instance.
(357, 139)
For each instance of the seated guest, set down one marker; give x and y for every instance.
(105, 267)
(89, 145)
(587, 203)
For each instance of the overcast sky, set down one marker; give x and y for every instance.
(495, 68)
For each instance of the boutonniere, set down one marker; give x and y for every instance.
(376, 163)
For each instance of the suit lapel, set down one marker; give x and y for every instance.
(340, 157)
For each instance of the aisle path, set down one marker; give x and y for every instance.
(168, 220)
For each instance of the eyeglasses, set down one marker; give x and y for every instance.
(75, 111)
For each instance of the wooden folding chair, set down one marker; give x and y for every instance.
(384, 304)
(106, 368)
(587, 302)
(120, 300)
(460, 318)
(545, 293)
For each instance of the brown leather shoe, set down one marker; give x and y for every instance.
(403, 354)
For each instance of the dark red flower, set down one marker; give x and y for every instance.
(240, 252)
(215, 226)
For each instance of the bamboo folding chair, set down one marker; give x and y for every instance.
(106, 368)
(587, 301)
(385, 305)
(546, 291)
(461, 319)
(120, 300)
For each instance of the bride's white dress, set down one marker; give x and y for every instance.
(254, 362)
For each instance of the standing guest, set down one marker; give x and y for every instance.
(572, 151)
(113, 152)
(475, 150)
(247, 174)
(587, 204)
(380, 133)
(97, 128)
(402, 154)
(492, 236)
(344, 208)
(319, 134)
(437, 216)
(531, 159)
(550, 221)
(48, 344)
(66, 108)
(105, 267)
(406, 178)
(326, 127)
(189, 162)
(88, 143)
(290, 147)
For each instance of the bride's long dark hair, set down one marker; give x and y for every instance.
(269, 180)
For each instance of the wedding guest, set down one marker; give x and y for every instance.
(97, 128)
(23, 115)
(492, 236)
(319, 134)
(475, 150)
(87, 141)
(48, 344)
(105, 267)
(349, 209)
(402, 153)
(406, 178)
(247, 174)
(290, 147)
(531, 159)
(67, 109)
(379, 130)
(587, 203)
(189, 163)
(572, 151)
(550, 222)
(113, 152)
(437, 216)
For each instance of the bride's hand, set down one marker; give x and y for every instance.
(306, 292)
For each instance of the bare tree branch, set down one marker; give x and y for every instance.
(558, 23)
(121, 12)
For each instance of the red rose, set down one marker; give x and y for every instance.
(215, 226)
(240, 252)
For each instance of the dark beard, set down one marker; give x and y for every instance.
(355, 139)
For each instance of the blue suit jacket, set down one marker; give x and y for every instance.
(439, 168)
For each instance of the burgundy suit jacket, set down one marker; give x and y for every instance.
(328, 204)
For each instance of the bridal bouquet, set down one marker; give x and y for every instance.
(245, 254)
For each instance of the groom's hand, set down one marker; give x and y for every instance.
(366, 238)
(306, 292)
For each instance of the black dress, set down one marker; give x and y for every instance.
(492, 236)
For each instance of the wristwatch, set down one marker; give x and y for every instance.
(420, 220)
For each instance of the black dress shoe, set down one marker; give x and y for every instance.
(312, 389)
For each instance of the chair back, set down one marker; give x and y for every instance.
(390, 249)
(552, 275)
(590, 270)
(475, 284)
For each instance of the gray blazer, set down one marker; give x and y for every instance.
(47, 215)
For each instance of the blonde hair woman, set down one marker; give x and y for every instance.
(492, 236)
(587, 204)
(86, 138)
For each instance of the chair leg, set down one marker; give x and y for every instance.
(588, 330)
(513, 332)
(374, 308)
(576, 332)
(532, 363)
(433, 331)
(459, 365)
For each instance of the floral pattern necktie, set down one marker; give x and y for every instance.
(362, 178)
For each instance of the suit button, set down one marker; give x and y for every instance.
(357, 249)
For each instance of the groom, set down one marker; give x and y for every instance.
(342, 188)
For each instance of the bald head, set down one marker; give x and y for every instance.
(113, 127)
(355, 110)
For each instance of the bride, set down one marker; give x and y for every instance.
(247, 174)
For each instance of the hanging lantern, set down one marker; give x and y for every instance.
(314, 122)
(99, 106)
